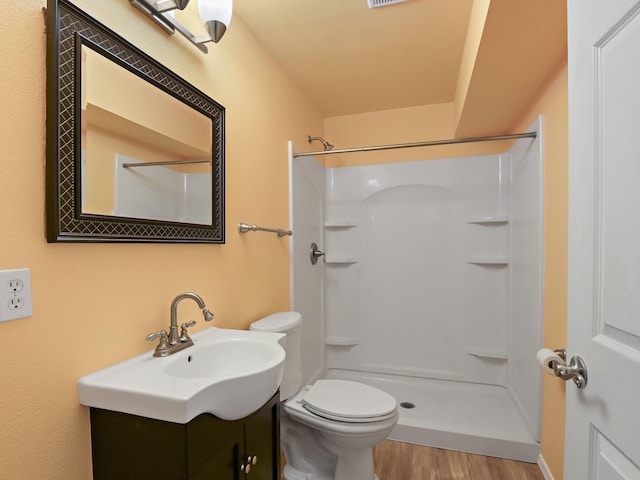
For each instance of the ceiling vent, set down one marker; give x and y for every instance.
(383, 3)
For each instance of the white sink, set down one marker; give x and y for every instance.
(228, 373)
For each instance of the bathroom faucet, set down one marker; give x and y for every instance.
(173, 341)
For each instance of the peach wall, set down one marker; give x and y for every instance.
(93, 304)
(471, 46)
(115, 90)
(552, 102)
(402, 125)
(103, 145)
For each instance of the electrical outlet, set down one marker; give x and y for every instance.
(15, 294)
(15, 303)
(16, 285)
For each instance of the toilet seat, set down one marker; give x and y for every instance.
(347, 401)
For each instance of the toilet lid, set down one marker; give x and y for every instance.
(348, 401)
(281, 322)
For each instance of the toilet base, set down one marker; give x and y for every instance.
(355, 463)
(309, 456)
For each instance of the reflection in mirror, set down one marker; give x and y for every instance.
(134, 152)
(145, 154)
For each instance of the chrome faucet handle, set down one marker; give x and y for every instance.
(163, 336)
(184, 336)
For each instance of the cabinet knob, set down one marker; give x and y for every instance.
(251, 460)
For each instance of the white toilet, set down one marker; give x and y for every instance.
(328, 429)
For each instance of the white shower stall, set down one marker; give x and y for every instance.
(160, 193)
(430, 289)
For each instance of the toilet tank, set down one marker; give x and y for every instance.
(289, 324)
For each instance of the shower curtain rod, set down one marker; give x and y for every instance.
(512, 136)
(168, 162)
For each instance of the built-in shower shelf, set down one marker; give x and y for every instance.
(496, 220)
(488, 352)
(488, 261)
(341, 341)
(341, 260)
(340, 224)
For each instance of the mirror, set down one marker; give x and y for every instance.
(134, 152)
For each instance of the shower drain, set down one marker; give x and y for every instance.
(407, 405)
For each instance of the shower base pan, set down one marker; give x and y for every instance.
(468, 417)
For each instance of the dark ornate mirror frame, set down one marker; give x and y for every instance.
(68, 28)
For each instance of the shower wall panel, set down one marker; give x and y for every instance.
(306, 189)
(417, 269)
(161, 193)
(526, 274)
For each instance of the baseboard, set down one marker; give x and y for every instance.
(546, 473)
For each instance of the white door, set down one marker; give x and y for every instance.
(603, 419)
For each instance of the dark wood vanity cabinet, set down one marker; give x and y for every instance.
(129, 447)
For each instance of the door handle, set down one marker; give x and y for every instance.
(576, 371)
(315, 253)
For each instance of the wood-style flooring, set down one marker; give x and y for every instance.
(404, 461)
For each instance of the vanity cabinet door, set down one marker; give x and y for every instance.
(129, 447)
(211, 440)
(263, 442)
(224, 464)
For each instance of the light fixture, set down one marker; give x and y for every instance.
(383, 3)
(215, 15)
